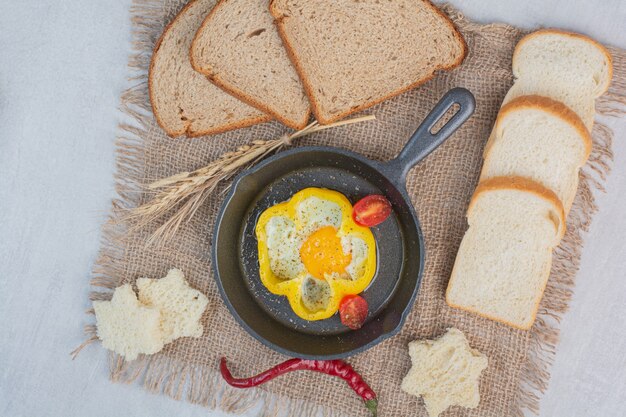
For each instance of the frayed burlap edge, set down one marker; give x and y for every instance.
(544, 335)
(202, 384)
(198, 384)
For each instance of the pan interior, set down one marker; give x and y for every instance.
(388, 246)
(269, 317)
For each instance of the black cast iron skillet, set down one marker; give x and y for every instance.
(399, 240)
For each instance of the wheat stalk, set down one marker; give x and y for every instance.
(191, 189)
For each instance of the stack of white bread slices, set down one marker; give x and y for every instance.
(222, 65)
(539, 142)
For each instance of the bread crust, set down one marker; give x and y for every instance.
(243, 96)
(308, 88)
(549, 31)
(548, 105)
(521, 184)
(187, 131)
(233, 90)
(512, 183)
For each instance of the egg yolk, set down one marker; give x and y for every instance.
(322, 253)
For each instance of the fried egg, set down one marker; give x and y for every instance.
(311, 250)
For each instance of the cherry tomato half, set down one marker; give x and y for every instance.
(353, 311)
(371, 210)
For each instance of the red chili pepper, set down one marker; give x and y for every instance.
(333, 367)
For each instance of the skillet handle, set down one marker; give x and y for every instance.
(423, 141)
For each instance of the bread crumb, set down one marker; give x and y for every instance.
(445, 372)
(167, 308)
(181, 306)
(126, 326)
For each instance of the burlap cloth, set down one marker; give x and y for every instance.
(440, 188)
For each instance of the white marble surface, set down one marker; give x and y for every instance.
(62, 69)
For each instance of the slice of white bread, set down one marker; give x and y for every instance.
(126, 326)
(180, 305)
(564, 66)
(445, 372)
(541, 139)
(239, 49)
(183, 101)
(351, 54)
(504, 260)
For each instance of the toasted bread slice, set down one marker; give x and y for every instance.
(183, 101)
(351, 54)
(239, 49)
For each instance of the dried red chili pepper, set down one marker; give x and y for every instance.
(335, 367)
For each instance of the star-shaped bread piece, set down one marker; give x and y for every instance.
(445, 372)
(127, 327)
(181, 306)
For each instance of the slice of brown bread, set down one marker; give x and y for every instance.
(239, 49)
(183, 101)
(352, 54)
